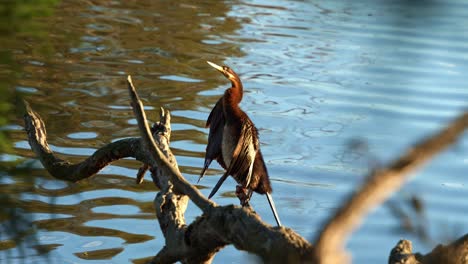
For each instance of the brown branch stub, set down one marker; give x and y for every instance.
(453, 253)
(379, 186)
(402, 253)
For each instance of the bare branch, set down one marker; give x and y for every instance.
(177, 179)
(218, 226)
(379, 186)
(453, 253)
(201, 240)
(403, 253)
(64, 170)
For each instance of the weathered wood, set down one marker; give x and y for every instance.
(195, 243)
(64, 170)
(159, 158)
(219, 226)
(453, 253)
(402, 253)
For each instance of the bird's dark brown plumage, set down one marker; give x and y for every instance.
(216, 124)
(233, 142)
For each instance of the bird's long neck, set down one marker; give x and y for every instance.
(232, 97)
(237, 89)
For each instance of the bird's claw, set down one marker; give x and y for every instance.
(243, 194)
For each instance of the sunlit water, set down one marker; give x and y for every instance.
(334, 88)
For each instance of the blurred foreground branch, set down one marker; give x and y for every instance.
(219, 226)
(380, 184)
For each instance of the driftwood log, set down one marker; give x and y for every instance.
(219, 226)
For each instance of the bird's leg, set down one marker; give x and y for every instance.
(243, 194)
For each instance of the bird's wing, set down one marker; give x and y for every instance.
(218, 184)
(244, 153)
(215, 122)
(242, 160)
(216, 115)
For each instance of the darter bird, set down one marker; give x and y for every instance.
(233, 142)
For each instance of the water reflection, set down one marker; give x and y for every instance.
(99, 254)
(79, 90)
(316, 75)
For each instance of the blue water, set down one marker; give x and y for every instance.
(334, 87)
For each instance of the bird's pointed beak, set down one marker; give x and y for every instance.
(216, 66)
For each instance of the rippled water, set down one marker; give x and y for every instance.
(333, 86)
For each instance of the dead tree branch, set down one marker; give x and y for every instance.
(219, 226)
(198, 242)
(379, 186)
(454, 253)
(159, 158)
(64, 170)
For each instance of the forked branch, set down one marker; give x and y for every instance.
(201, 240)
(219, 226)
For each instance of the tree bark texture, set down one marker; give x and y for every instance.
(218, 226)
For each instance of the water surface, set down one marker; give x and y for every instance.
(334, 87)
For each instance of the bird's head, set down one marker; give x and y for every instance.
(226, 71)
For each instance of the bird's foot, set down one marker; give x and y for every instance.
(243, 194)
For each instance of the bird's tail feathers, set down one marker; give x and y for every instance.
(205, 167)
(220, 182)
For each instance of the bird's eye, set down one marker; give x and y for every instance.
(225, 68)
